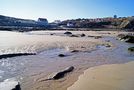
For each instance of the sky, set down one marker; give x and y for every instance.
(66, 9)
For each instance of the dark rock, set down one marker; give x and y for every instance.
(126, 38)
(82, 35)
(61, 74)
(68, 33)
(107, 45)
(130, 39)
(91, 36)
(61, 55)
(17, 87)
(15, 55)
(121, 36)
(10, 84)
(73, 51)
(74, 36)
(131, 49)
(51, 34)
(97, 37)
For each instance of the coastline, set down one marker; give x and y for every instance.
(92, 52)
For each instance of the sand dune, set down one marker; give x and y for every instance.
(107, 77)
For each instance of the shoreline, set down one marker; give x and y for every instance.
(92, 52)
(106, 77)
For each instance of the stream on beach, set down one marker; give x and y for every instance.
(46, 59)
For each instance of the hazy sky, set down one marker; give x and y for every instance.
(66, 9)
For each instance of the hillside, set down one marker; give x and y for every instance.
(11, 23)
(17, 23)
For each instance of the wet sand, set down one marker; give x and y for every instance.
(81, 61)
(92, 52)
(107, 77)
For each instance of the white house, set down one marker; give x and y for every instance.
(42, 21)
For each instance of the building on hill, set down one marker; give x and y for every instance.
(70, 24)
(42, 21)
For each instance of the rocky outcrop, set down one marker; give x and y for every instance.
(17, 87)
(15, 55)
(67, 33)
(126, 38)
(60, 74)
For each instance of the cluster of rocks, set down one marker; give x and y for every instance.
(127, 38)
(74, 35)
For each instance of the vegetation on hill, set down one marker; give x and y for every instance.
(10, 23)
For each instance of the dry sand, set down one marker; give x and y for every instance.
(107, 77)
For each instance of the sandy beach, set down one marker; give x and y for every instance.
(106, 77)
(94, 49)
(67, 45)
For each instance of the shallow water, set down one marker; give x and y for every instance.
(47, 59)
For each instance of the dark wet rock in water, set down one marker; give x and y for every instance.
(107, 45)
(15, 55)
(74, 36)
(73, 51)
(91, 36)
(120, 36)
(131, 49)
(61, 55)
(68, 33)
(82, 35)
(51, 34)
(130, 39)
(61, 74)
(17, 87)
(78, 35)
(97, 37)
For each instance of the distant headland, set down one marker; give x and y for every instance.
(121, 23)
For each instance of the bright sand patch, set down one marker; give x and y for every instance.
(107, 77)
